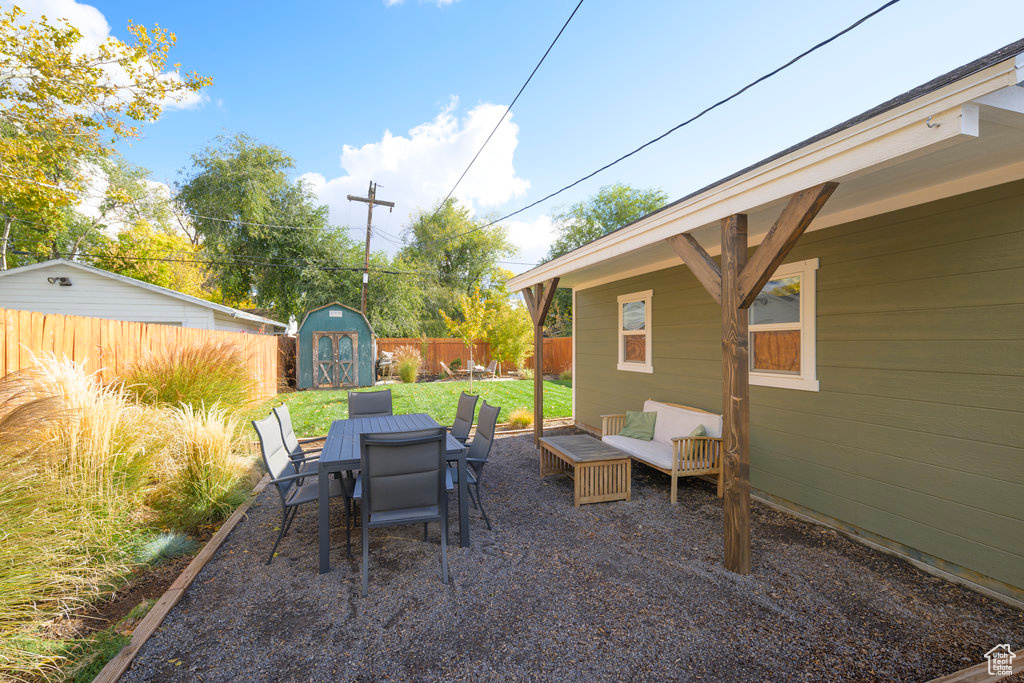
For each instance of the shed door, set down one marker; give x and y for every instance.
(324, 363)
(335, 359)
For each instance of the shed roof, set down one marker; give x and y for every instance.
(336, 303)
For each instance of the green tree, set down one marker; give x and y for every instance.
(160, 257)
(511, 329)
(473, 325)
(237, 197)
(454, 260)
(64, 104)
(613, 207)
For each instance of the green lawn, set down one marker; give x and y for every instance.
(313, 411)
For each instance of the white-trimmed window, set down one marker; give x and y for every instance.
(635, 332)
(781, 326)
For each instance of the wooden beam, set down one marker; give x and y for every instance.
(798, 214)
(735, 398)
(538, 302)
(699, 262)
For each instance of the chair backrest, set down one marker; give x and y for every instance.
(402, 470)
(492, 366)
(275, 455)
(464, 416)
(447, 369)
(291, 442)
(480, 446)
(369, 403)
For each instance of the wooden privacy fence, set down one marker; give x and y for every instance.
(437, 350)
(109, 347)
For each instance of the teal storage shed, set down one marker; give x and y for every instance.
(336, 349)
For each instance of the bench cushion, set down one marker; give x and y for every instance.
(652, 452)
(673, 421)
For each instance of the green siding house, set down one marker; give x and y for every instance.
(886, 350)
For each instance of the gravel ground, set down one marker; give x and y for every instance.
(610, 591)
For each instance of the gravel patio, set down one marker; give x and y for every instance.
(614, 591)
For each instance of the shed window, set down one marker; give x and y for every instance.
(782, 329)
(635, 332)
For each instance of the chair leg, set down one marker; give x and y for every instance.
(481, 501)
(366, 561)
(444, 548)
(284, 529)
(472, 499)
(348, 528)
(424, 531)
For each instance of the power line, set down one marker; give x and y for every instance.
(509, 108)
(687, 122)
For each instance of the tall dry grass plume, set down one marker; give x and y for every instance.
(407, 363)
(197, 375)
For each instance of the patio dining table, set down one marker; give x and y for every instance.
(341, 453)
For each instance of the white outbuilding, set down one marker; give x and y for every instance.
(71, 288)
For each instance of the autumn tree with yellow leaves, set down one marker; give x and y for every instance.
(64, 103)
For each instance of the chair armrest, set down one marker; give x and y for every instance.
(312, 450)
(308, 459)
(612, 424)
(696, 453)
(312, 438)
(292, 477)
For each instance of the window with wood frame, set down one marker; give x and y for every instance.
(782, 329)
(635, 332)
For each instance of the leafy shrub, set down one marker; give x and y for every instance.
(206, 471)
(525, 373)
(407, 363)
(197, 375)
(520, 418)
(455, 364)
(565, 375)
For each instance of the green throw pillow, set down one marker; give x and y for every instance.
(639, 425)
(691, 450)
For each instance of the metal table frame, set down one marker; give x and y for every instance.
(341, 453)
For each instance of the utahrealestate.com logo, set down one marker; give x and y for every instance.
(1000, 660)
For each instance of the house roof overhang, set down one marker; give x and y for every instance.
(960, 132)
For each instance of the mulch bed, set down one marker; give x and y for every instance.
(625, 590)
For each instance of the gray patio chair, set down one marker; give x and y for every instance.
(293, 443)
(464, 417)
(479, 450)
(403, 481)
(491, 369)
(294, 487)
(369, 403)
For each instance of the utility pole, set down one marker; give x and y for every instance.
(370, 199)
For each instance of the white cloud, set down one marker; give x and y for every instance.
(533, 238)
(95, 29)
(416, 171)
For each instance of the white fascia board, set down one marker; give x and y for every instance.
(891, 136)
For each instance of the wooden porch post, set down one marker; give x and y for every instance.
(735, 285)
(538, 300)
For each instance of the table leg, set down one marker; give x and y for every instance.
(463, 503)
(325, 521)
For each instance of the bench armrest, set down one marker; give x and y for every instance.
(703, 453)
(612, 424)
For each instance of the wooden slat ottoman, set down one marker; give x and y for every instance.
(600, 472)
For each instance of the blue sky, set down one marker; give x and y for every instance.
(411, 88)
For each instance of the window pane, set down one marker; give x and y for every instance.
(634, 315)
(778, 302)
(634, 348)
(777, 351)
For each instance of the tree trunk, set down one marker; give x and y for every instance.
(3, 243)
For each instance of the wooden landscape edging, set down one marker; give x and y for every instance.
(979, 673)
(117, 666)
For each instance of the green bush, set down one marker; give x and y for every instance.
(525, 373)
(565, 375)
(455, 364)
(198, 375)
(407, 363)
(166, 546)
